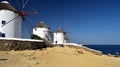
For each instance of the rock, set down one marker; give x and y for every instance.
(33, 57)
(37, 62)
(28, 66)
(80, 52)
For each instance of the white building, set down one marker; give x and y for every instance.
(42, 31)
(10, 21)
(59, 37)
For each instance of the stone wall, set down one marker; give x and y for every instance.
(20, 45)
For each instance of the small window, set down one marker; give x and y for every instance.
(2, 34)
(3, 22)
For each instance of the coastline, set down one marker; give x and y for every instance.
(110, 50)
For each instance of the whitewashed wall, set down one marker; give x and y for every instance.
(12, 29)
(42, 32)
(58, 38)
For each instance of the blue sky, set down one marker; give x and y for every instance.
(87, 21)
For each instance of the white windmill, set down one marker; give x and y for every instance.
(59, 37)
(9, 14)
(42, 31)
(10, 20)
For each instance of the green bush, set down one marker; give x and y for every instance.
(33, 36)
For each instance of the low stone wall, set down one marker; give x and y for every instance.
(20, 45)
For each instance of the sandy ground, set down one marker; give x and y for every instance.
(56, 57)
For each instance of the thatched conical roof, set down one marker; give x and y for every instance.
(41, 25)
(59, 31)
(4, 5)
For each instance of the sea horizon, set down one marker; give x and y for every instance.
(106, 49)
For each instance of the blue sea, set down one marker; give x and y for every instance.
(106, 49)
